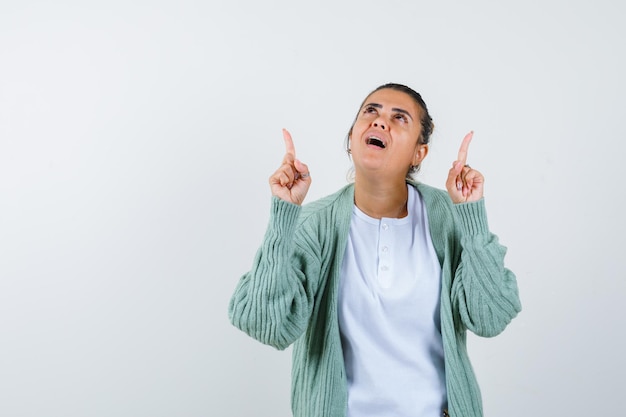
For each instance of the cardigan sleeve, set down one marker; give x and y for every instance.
(484, 292)
(273, 301)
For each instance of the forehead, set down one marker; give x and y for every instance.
(389, 98)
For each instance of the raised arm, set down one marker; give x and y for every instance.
(484, 291)
(273, 301)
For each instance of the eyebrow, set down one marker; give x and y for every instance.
(396, 109)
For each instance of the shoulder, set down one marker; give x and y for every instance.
(328, 215)
(340, 200)
(439, 206)
(442, 220)
(433, 197)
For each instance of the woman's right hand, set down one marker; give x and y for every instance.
(291, 181)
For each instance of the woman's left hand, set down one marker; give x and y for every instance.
(464, 183)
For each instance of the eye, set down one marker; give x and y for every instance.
(401, 117)
(370, 109)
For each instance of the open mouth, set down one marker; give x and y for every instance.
(373, 140)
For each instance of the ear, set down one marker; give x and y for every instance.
(420, 153)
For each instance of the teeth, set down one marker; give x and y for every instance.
(373, 140)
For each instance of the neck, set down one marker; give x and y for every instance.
(380, 199)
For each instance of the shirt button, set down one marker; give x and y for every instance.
(385, 249)
(385, 226)
(384, 268)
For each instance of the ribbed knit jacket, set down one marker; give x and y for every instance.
(290, 294)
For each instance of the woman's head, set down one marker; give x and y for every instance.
(399, 114)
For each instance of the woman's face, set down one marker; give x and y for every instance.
(384, 138)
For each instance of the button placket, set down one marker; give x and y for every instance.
(384, 253)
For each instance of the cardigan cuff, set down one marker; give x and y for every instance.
(473, 217)
(284, 215)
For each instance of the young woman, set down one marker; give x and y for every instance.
(377, 284)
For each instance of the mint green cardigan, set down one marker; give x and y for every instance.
(290, 294)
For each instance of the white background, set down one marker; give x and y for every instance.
(136, 139)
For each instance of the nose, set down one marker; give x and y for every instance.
(379, 123)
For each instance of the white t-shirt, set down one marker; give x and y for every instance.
(389, 316)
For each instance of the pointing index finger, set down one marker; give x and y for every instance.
(289, 148)
(464, 147)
